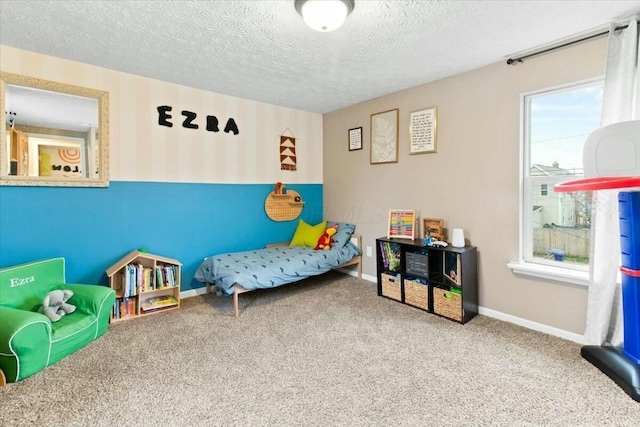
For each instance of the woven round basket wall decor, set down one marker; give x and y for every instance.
(283, 207)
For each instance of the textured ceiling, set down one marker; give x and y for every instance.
(262, 50)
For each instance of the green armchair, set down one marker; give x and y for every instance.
(29, 341)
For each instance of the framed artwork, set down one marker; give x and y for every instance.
(355, 139)
(384, 137)
(451, 268)
(402, 224)
(434, 228)
(423, 131)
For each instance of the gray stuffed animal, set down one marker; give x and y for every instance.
(55, 304)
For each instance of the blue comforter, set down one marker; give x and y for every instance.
(270, 267)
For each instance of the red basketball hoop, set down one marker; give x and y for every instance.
(599, 183)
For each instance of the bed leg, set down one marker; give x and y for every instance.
(235, 302)
(360, 270)
(208, 288)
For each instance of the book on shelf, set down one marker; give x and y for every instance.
(137, 278)
(165, 276)
(159, 279)
(390, 255)
(162, 301)
(124, 307)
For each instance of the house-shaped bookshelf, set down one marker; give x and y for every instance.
(144, 284)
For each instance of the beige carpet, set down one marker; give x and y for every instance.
(325, 352)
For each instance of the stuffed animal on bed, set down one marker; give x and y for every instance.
(55, 304)
(325, 241)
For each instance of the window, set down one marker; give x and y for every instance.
(556, 226)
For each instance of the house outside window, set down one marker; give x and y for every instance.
(556, 227)
(544, 190)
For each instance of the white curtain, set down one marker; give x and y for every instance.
(621, 102)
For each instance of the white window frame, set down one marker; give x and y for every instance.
(526, 265)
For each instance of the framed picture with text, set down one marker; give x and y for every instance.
(423, 131)
(355, 139)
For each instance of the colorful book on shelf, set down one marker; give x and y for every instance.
(124, 307)
(146, 280)
(383, 253)
(128, 280)
(159, 278)
(163, 301)
(390, 255)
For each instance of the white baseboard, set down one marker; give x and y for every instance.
(561, 333)
(481, 310)
(354, 273)
(373, 279)
(193, 292)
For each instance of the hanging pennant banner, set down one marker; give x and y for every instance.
(287, 153)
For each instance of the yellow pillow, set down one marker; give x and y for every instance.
(308, 235)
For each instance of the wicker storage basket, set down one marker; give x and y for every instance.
(391, 286)
(447, 304)
(416, 294)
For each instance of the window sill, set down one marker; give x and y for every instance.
(547, 272)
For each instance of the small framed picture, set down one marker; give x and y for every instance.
(434, 228)
(355, 139)
(402, 224)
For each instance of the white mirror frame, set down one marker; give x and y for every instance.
(103, 134)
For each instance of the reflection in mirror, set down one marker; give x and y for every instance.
(56, 134)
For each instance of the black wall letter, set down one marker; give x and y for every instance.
(163, 117)
(212, 124)
(231, 127)
(188, 118)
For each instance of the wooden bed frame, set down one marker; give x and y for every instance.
(357, 260)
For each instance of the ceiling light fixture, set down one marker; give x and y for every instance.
(324, 15)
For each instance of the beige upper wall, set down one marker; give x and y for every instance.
(141, 150)
(472, 181)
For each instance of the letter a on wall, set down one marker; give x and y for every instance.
(287, 153)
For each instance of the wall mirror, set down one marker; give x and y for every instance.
(54, 134)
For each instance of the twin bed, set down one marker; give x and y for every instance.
(278, 264)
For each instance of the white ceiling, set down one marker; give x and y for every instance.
(262, 50)
(48, 109)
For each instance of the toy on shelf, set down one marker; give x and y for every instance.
(433, 228)
(606, 164)
(279, 189)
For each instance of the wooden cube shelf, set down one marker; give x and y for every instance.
(442, 281)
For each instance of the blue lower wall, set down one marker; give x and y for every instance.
(92, 228)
